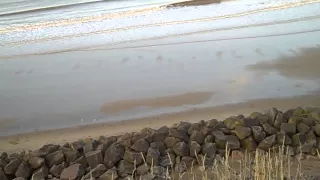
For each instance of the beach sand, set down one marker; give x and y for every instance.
(34, 140)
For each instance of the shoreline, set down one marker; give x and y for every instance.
(34, 140)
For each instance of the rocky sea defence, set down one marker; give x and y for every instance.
(169, 152)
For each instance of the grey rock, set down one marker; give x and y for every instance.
(36, 162)
(159, 171)
(233, 142)
(206, 130)
(19, 178)
(195, 148)
(183, 135)
(158, 136)
(249, 122)
(299, 139)
(212, 123)
(258, 133)
(242, 132)
(304, 148)
(23, 170)
(40, 174)
(311, 138)
(143, 169)
(163, 129)
(278, 120)
(96, 172)
(46, 149)
(56, 157)
(209, 138)
(183, 126)
(56, 170)
(73, 172)
(12, 166)
(232, 122)
(133, 157)
(289, 128)
(77, 145)
(94, 158)
(2, 175)
(316, 129)
(219, 139)
(107, 141)
(205, 161)
(303, 128)
(272, 114)
(80, 160)
(171, 141)
(125, 168)
(268, 142)
(160, 146)
(140, 146)
(181, 149)
(168, 161)
(287, 114)
(146, 177)
(180, 168)
(194, 127)
(197, 136)
(270, 130)
(70, 156)
(111, 174)
(188, 161)
(113, 155)
(209, 150)
(249, 144)
(90, 146)
(153, 156)
(283, 138)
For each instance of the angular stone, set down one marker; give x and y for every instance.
(272, 114)
(303, 128)
(94, 158)
(183, 135)
(316, 129)
(237, 155)
(278, 120)
(140, 146)
(90, 146)
(111, 174)
(188, 161)
(299, 139)
(194, 127)
(158, 136)
(36, 162)
(183, 126)
(242, 132)
(283, 138)
(160, 146)
(225, 131)
(181, 149)
(219, 139)
(168, 160)
(96, 172)
(171, 141)
(258, 133)
(56, 170)
(308, 121)
(248, 122)
(133, 157)
(206, 130)
(163, 129)
(77, 145)
(232, 142)
(56, 157)
(12, 166)
(268, 142)
(197, 136)
(73, 172)
(125, 168)
(113, 155)
(209, 150)
(153, 156)
(108, 141)
(81, 160)
(249, 144)
(295, 119)
(19, 178)
(46, 149)
(40, 174)
(311, 138)
(270, 130)
(232, 122)
(305, 148)
(209, 138)
(2, 175)
(70, 156)
(143, 169)
(23, 170)
(146, 177)
(159, 171)
(195, 148)
(289, 128)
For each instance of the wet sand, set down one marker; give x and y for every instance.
(34, 140)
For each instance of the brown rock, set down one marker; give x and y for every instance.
(209, 138)
(143, 169)
(91, 145)
(2, 175)
(303, 128)
(249, 122)
(159, 171)
(56, 170)
(113, 155)
(194, 127)
(188, 161)
(299, 139)
(168, 161)
(158, 136)
(23, 170)
(237, 155)
(304, 148)
(12, 166)
(183, 135)
(249, 144)
(163, 129)
(71, 156)
(219, 139)
(278, 120)
(54, 158)
(111, 174)
(209, 150)
(242, 132)
(197, 136)
(40, 174)
(140, 146)
(232, 122)
(195, 148)
(270, 130)
(171, 141)
(233, 142)
(181, 149)
(96, 172)
(73, 172)
(268, 142)
(258, 133)
(19, 178)
(36, 162)
(153, 156)
(272, 114)
(283, 138)
(125, 168)
(311, 138)
(206, 130)
(316, 129)
(133, 157)
(46, 149)
(160, 146)
(289, 128)
(108, 141)
(94, 158)
(80, 160)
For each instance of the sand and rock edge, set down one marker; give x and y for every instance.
(152, 154)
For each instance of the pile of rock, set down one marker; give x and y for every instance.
(155, 153)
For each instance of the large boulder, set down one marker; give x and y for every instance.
(289, 128)
(195, 148)
(158, 136)
(133, 157)
(194, 127)
(316, 129)
(73, 172)
(242, 132)
(268, 142)
(110, 174)
(181, 149)
(232, 122)
(12, 166)
(56, 170)
(232, 142)
(183, 135)
(197, 136)
(40, 174)
(272, 114)
(70, 155)
(96, 172)
(141, 146)
(54, 158)
(36, 162)
(143, 169)
(299, 139)
(81, 160)
(311, 138)
(153, 156)
(278, 120)
(94, 158)
(46, 149)
(283, 138)
(219, 138)
(160, 146)
(258, 133)
(303, 128)
(270, 130)
(171, 141)
(168, 160)
(113, 155)
(209, 150)
(125, 168)
(2, 175)
(23, 170)
(249, 144)
(259, 117)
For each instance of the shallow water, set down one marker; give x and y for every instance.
(48, 84)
